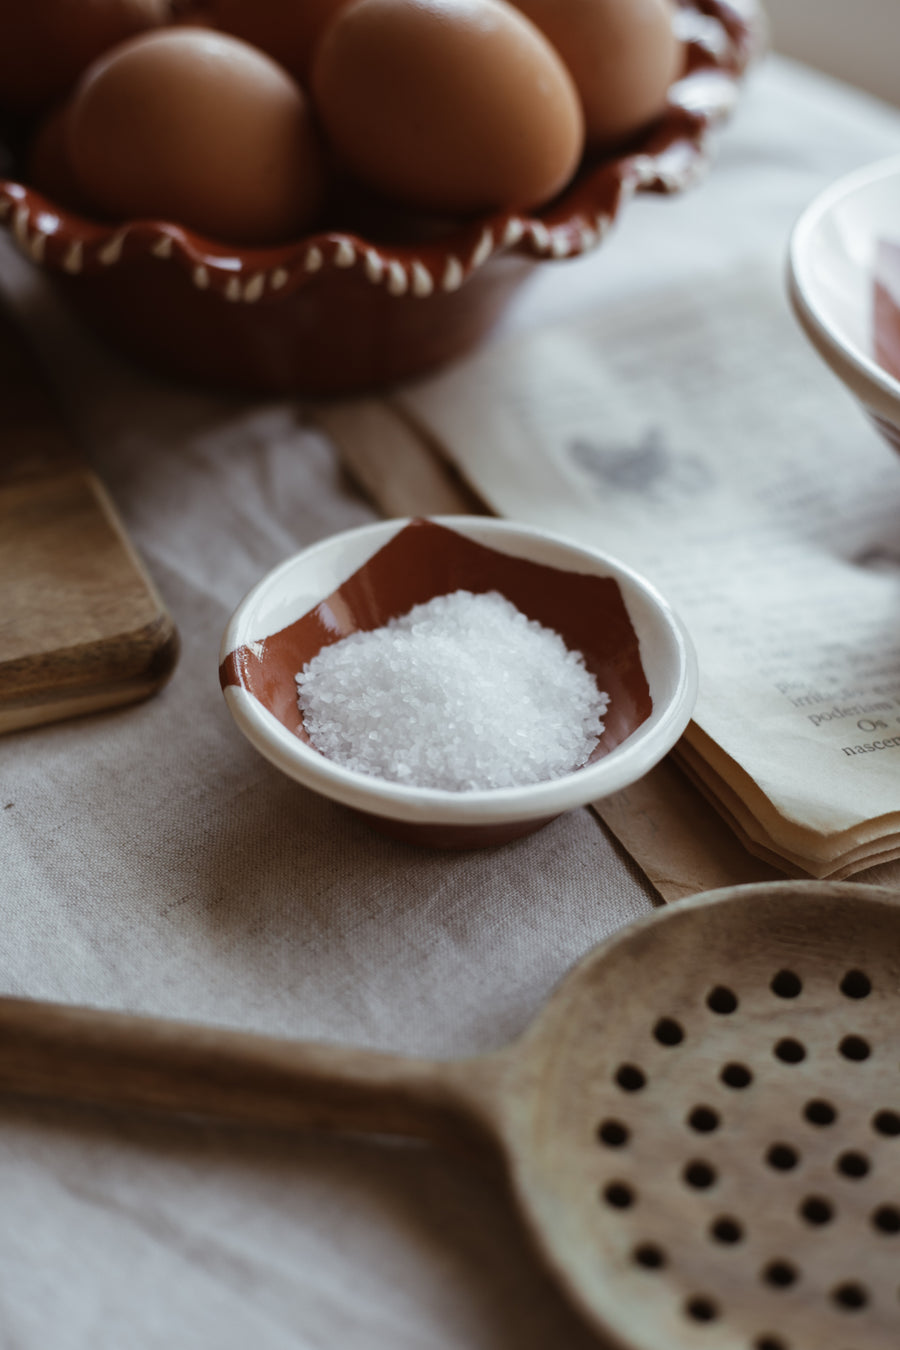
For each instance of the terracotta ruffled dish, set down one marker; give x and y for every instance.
(346, 311)
(631, 641)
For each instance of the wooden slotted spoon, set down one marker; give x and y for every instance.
(701, 1129)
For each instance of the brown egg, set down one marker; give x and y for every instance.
(46, 44)
(456, 107)
(199, 128)
(623, 56)
(286, 29)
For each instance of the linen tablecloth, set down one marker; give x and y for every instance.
(152, 861)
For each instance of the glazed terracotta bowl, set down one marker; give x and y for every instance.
(631, 641)
(844, 285)
(358, 307)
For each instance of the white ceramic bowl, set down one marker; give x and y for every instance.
(832, 260)
(632, 642)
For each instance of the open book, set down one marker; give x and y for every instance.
(707, 446)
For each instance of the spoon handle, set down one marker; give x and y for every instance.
(111, 1059)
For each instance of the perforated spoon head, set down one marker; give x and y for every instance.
(705, 1138)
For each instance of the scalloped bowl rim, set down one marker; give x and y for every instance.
(654, 620)
(574, 225)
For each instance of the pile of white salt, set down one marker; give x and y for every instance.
(462, 693)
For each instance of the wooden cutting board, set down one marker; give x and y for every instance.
(81, 625)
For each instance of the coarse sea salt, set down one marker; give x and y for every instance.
(462, 693)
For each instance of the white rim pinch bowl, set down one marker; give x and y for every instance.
(835, 256)
(632, 642)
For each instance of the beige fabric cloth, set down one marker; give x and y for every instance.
(152, 861)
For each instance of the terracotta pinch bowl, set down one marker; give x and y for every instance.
(631, 640)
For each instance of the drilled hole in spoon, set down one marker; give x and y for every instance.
(820, 1112)
(649, 1256)
(789, 1051)
(613, 1134)
(816, 1210)
(630, 1078)
(619, 1195)
(855, 1048)
(856, 984)
(722, 1000)
(786, 984)
(780, 1274)
(701, 1309)
(668, 1032)
(726, 1230)
(782, 1157)
(704, 1119)
(887, 1219)
(700, 1175)
(852, 1164)
(736, 1076)
(850, 1296)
